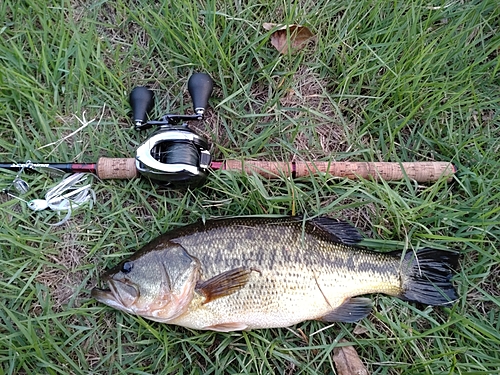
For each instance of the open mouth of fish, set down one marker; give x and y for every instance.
(118, 295)
(101, 293)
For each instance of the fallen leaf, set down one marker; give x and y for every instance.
(347, 361)
(288, 37)
(360, 330)
(269, 26)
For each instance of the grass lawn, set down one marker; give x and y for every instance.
(383, 81)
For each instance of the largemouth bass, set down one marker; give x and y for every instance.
(247, 273)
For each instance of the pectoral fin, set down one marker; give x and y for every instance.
(352, 310)
(223, 284)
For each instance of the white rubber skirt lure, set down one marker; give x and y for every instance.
(66, 196)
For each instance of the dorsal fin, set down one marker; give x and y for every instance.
(339, 231)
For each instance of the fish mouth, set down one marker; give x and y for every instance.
(102, 295)
(118, 295)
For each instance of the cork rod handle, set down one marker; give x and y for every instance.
(124, 168)
(388, 171)
(116, 168)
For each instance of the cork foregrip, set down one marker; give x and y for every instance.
(116, 168)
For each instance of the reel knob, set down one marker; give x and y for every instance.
(141, 100)
(200, 86)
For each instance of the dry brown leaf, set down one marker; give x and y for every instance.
(360, 330)
(347, 361)
(298, 37)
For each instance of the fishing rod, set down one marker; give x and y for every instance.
(176, 155)
(125, 168)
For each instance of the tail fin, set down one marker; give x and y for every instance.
(427, 276)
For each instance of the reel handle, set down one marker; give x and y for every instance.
(200, 86)
(141, 100)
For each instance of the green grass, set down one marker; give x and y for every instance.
(393, 81)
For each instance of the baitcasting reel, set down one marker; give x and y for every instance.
(174, 154)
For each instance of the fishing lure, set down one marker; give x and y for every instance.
(66, 196)
(21, 186)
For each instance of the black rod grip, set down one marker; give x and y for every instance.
(141, 100)
(200, 87)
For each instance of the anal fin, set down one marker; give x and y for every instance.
(223, 284)
(352, 310)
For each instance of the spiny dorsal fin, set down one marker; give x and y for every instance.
(352, 310)
(223, 284)
(339, 231)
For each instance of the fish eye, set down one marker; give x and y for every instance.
(127, 266)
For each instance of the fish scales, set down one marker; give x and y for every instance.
(295, 271)
(288, 275)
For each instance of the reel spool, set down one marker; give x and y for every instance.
(174, 154)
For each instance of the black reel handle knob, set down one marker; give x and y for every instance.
(142, 101)
(200, 86)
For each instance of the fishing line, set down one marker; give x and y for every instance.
(178, 152)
